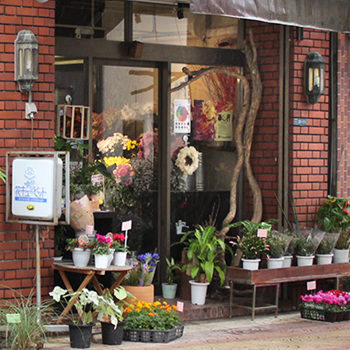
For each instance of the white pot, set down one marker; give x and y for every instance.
(287, 261)
(275, 263)
(198, 292)
(101, 261)
(120, 258)
(340, 256)
(81, 257)
(250, 264)
(111, 256)
(305, 260)
(324, 259)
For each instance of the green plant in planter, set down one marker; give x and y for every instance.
(111, 311)
(327, 244)
(276, 246)
(252, 246)
(203, 247)
(305, 246)
(29, 332)
(170, 270)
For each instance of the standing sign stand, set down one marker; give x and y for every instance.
(34, 194)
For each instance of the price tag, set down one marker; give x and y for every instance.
(262, 233)
(311, 285)
(97, 179)
(180, 306)
(13, 318)
(126, 225)
(89, 229)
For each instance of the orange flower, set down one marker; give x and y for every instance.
(169, 309)
(151, 314)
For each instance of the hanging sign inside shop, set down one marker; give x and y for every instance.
(212, 120)
(182, 116)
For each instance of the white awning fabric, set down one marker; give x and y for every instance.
(330, 15)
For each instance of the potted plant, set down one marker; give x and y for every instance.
(101, 251)
(152, 322)
(275, 253)
(203, 247)
(25, 320)
(80, 326)
(324, 252)
(110, 314)
(169, 287)
(334, 216)
(121, 249)
(81, 250)
(138, 281)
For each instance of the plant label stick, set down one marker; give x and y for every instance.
(126, 226)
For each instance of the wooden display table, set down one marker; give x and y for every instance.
(90, 272)
(274, 277)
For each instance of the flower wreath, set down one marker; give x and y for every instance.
(181, 161)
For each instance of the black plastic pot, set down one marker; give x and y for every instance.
(111, 336)
(80, 335)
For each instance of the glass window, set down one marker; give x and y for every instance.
(125, 138)
(173, 25)
(203, 115)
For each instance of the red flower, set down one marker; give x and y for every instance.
(346, 212)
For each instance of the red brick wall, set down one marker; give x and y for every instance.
(17, 247)
(343, 149)
(308, 145)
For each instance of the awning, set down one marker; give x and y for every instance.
(330, 15)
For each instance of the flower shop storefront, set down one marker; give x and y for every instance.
(170, 155)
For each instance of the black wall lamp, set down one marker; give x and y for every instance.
(27, 66)
(314, 77)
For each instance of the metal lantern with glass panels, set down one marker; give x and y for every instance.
(26, 60)
(314, 74)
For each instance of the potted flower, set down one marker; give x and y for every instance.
(80, 327)
(324, 252)
(110, 314)
(334, 216)
(275, 253)
(203, 247)
(169, 287)
(250, 247)
(152, 322)
(101, 251)
(81, 250)
(139, 280)
(120, 249)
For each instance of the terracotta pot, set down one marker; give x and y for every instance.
(144, 293)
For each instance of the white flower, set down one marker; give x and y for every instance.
(128, 113)
(57, 293)
(181, 160)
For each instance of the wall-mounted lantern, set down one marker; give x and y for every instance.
(314, 77)
(26, 60)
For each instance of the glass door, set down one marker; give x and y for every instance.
(125, 139)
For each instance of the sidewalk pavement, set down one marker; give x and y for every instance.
(287, 331)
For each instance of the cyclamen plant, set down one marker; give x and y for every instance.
(333, 300)
(118, 242)
(101, 245)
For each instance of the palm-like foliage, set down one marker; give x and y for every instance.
(203, 248)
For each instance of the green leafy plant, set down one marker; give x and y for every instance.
(81, 242)
(109, 310)
(157, 315)
(251, 246)
(171, 268)
(2, 175)
(328, 243)
(306, 246)
(334, 216)
(203, 247)
(29, 332)
(276, 246)
(252, 227)
(101, 245)
(85, 302)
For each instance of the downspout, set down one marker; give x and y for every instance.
(333, 135)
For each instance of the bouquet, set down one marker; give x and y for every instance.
(143, 270)
(157, 315)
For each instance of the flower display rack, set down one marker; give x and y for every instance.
(153, 335)
(323, 315)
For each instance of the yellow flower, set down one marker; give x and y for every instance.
(109, 161)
